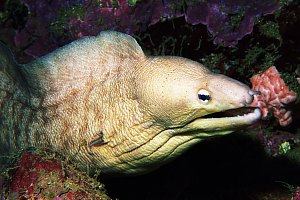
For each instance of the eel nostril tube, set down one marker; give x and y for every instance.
(252, 92)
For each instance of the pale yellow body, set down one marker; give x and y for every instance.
(101, 102)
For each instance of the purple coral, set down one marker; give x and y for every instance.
(36, 38)
(227, 20)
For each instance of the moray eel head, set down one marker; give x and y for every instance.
(187, 98)
(187, 103)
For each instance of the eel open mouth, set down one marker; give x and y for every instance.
(232, 112)
(223, 122)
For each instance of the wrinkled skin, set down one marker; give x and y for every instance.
(101, 102)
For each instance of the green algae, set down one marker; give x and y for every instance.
(270, 29)
(212, 61)
(290, 79)
(58, 27)
(132, 2)
(284, 148)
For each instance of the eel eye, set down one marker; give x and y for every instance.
(204, 96)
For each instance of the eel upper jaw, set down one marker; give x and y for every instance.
(209, 125)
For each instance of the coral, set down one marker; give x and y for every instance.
(296, 195)
(274, 95)
(277, 143)
(51, 24)
(229, 21)
(54, 23)
(35, 176)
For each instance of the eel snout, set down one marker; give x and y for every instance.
(229, 93)
(230, 102)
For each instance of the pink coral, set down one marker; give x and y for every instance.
(296, 196)
(274, 95)
(42, 176)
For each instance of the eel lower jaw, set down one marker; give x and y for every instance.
(221, 123)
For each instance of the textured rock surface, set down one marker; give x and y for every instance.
(49, 24)
(41, 176)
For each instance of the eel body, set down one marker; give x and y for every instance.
(101, 102)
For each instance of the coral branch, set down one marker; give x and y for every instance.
(275, 95)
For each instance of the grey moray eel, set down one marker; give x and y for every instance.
(101, 102)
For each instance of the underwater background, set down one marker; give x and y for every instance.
(238, 38)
